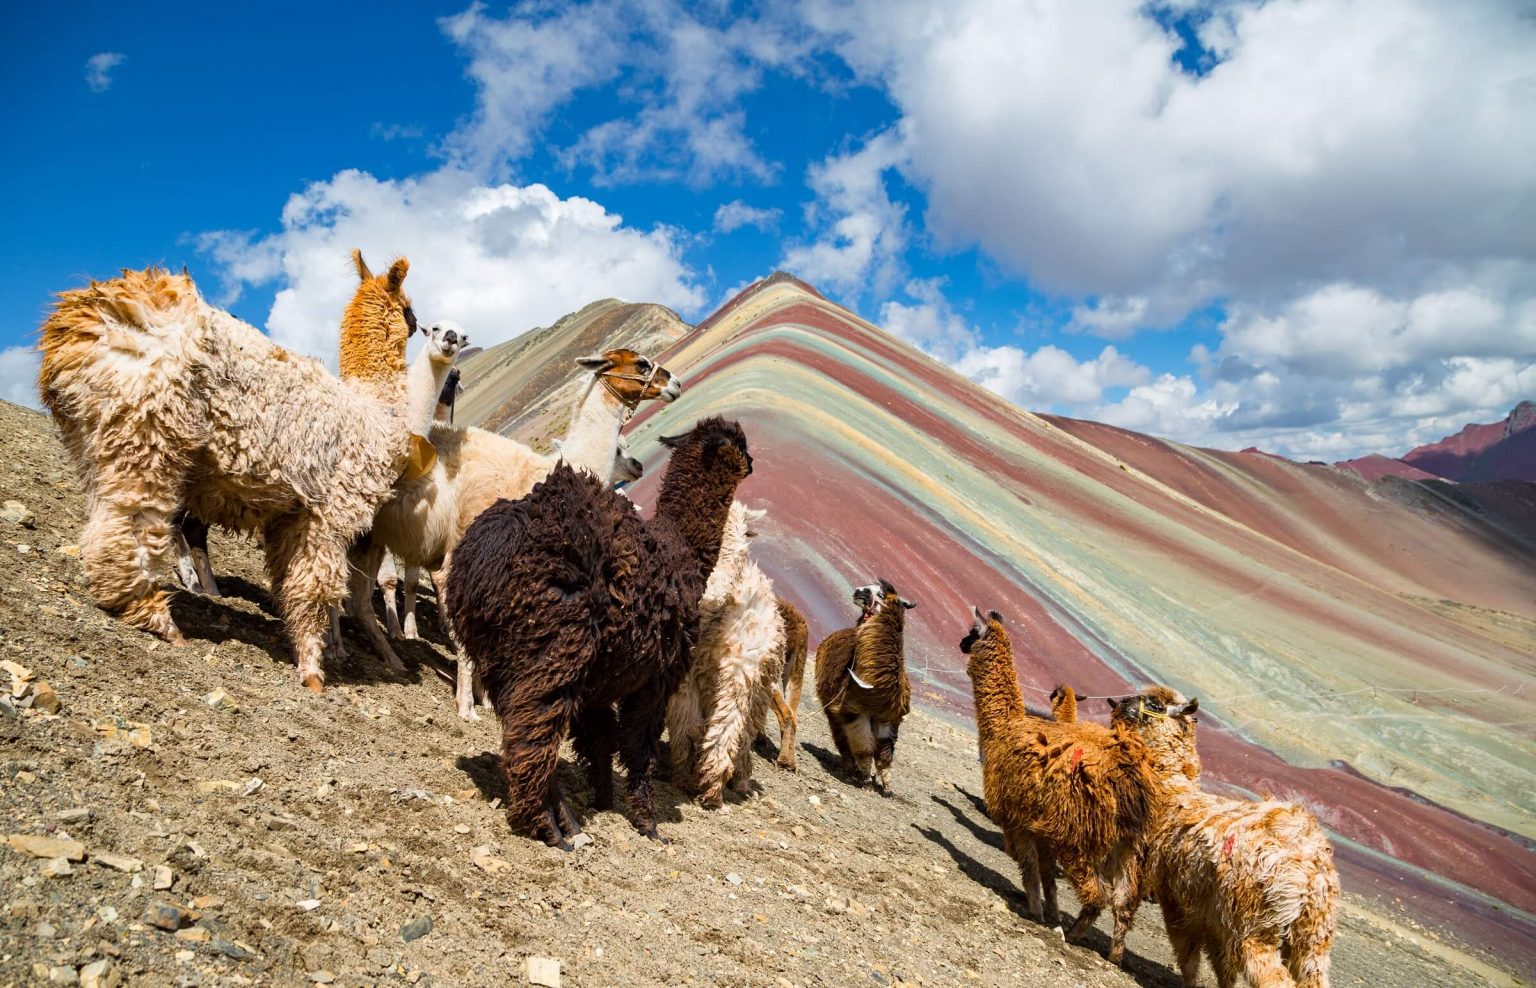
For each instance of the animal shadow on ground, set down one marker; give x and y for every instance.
(830, 762)
(484, 770)
(1145, 972)
(212, 619)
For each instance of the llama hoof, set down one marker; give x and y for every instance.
(313, 683)
(787, 764)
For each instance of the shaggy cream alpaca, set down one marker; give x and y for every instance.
(723, 702)
(161, 397)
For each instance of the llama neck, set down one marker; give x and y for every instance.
(695, 503)
(372, 350)
(423, 384)
(592, 437)
(996, 685)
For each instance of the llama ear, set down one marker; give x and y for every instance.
(885, 586)
(672, 442)
(754, 515)
(1114, 705)
(396, 275)
(363, 274)
(1185, 709)
(995, 616)
(594, 362)
(905, 603)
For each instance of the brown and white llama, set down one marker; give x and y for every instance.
(1081, 794)
(1251, 883)
(723, 700)
(861, 681)
(425, 518)
(582, 617)
(160, 397)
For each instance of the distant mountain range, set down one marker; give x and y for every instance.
(1504, 450)
(1353, 641)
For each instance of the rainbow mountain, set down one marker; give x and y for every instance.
(1367, 647)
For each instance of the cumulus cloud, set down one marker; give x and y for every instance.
(1046, 379)
(736, 214)
(18, 375)
(499, 259)
(684, 71)
(1365, 140)
(98, 69)
(861, 232)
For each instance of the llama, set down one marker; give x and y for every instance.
(784, 691)
(1251, 883)
(427, 516)
(1080, 794)
(861, 681)
(161, 398)
(740, 651)
(1064, 705)
(570, 604)
(428, 374)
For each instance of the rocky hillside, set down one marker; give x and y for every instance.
(190, 816)
(1503, 450)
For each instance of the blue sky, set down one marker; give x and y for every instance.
(1308, 225)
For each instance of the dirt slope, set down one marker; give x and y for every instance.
(373, 799)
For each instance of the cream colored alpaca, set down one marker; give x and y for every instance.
(722, 703)
(429, 371)
(1249, 882)
(426, 517)
(160, 398)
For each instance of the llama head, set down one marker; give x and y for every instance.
(985, 636)
(632, 377)
(869, 598)
(714, 446)
(377, 322)
(1166, 721)
(1064, 704)
(445, 340)
(886, 595)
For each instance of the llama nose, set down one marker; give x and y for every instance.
(450, 337)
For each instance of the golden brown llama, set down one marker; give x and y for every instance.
(861, 681)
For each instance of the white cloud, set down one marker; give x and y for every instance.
(683, 71)
(499, 259)
(736, 214)
(1047, 379)
(18, 375)
(98, 69)
(1373, 141)
(862, 232)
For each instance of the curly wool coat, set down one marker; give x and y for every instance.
(723, 700)
(861, 681)
(1251, 883)
(1079, 794)
(582, 617)
(160, 398)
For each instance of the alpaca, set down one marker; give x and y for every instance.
(428, 374)
(784, 691)
(1081, 794)
(1249, 882)
(570, 604)
(425, 518)
(740, 652)
(372, 358)
(160, 398)
(861, 681)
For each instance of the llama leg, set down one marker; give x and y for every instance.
(1262, 964)
(362, 579)
(684, 724)
(1085, 882)
(412, 581)
(786, 717)
(307, 567)
(389, 585)
(835, 726)
(1311, 938)
(195, 534)
(860, 730)
(1226, 958)
(1186, 946)
(335, 645)
(1022, 850)
(642, 715)
(595, 738)
(125, 537)
(186, 569)
(1047, 859)
(534, 718)
(726, 733)
(885, 753)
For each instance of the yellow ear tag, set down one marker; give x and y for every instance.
(423, 456)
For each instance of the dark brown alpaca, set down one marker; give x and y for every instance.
(1080, 794)
(572, 606)
(861, 680)
(786, 692)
